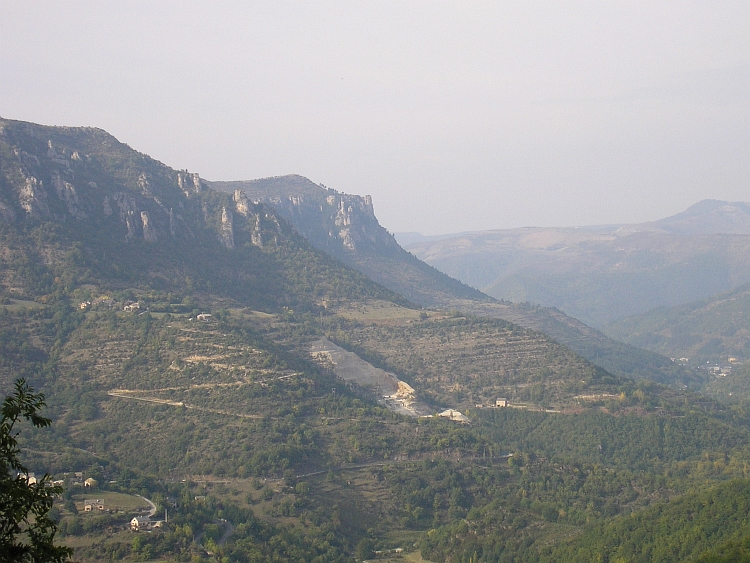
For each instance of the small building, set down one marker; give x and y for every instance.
(85, 305)
(140, 523)
(204, 317)
(501, 402)
(91, 483)
(131, 306)
(93, 504)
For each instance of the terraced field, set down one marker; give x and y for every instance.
(467, 361)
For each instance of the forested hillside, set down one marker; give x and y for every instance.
(171, 328)
(712, 330)
(345, 227)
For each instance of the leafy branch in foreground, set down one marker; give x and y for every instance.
(26, 532)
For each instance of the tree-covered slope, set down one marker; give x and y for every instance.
(713, 330)
(172, 335)
(681, 530)
(345, 227)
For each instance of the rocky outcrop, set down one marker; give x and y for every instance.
(144, 185)
(241, 203)
(149, 230)
(226, 233)
(345, 227)
(55, 157)
(256, 233)
(126, 205)
(189, 183)
(66, 192)
(59, 173)
(33, 198)
(337, 223)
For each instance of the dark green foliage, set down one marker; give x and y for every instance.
(147, 400)
(676, 531)
(733, 551)
(631, 441)
(27, 533)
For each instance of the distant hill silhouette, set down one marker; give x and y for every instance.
(601, 274)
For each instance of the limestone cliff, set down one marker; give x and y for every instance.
(226, 234)
(345, 226)
(81, 175)
(341, 224)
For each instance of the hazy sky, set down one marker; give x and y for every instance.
(454, 116)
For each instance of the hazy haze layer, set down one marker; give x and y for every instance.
(453, 116)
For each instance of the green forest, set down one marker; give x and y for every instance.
(178, 371)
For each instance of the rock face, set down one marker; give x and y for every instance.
(226, 234)
(149, 231)
(345, 227)
(241, 203)
(189, 183)
(79, 175)
(341, 224)
(66, 192)
(33, 198)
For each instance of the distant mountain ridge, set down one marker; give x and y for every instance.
(91, 185)
(707, 217)
(601, 274)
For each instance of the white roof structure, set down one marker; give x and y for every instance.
(455, 416)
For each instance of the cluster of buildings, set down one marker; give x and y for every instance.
(89, 505)
(89, 483)
(102, 300)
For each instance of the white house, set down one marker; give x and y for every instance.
(140, 523)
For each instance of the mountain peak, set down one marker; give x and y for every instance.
(709, 216)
